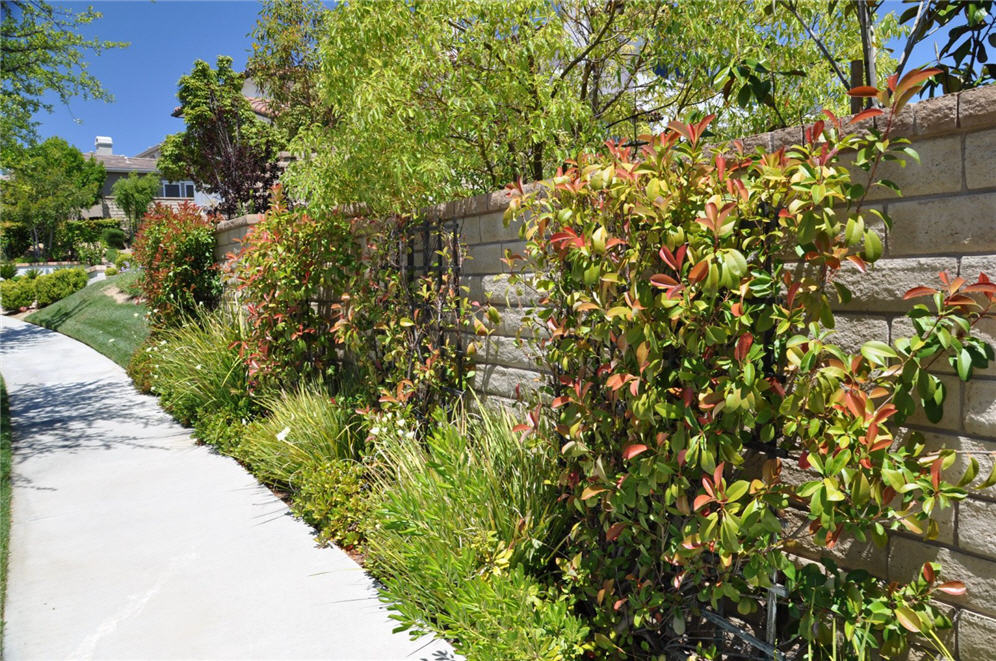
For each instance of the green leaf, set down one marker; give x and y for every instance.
(737, 490)
(878, 352)
(873, 246)
(964, 364)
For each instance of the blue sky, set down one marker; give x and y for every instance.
(166, 37)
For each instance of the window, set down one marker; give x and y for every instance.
(176, 189)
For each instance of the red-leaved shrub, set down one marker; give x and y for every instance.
(175, 248)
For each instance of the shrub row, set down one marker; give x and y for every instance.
(45, 289)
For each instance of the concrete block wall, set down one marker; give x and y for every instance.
(945, 221)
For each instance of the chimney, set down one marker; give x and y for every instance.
(103, 145)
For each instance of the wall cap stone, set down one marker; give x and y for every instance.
(238, 222)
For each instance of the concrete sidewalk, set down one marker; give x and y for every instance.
(130, 541)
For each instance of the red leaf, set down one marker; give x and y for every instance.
(935, 472)
(631, 451)
(857, 261)
(804, 461)
(619, 603)
(743, 347)
(954, 588)
(863, 91)
(865, 114)
(615, 382)
(662, 281)
(700, 501)
(699, 271)
(914, 78)
(613, 531)
(558, 402)
(917, 292)
(521, 428)
(985, 288)
(928, 573)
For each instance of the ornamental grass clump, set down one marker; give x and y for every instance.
(464, 530)
(688, 324)
(305, 428)
(196, 370)
(310, 446)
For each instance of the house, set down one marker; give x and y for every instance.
(118, 166)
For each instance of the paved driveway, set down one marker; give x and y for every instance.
(131, 542)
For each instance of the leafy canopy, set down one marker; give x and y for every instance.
(49, 183)
(42, 51)
(435, 100)
(284, 62)
(225, 149)
(134, 194)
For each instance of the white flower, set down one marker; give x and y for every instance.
(283, 434)
(198, 366)
(375, 430)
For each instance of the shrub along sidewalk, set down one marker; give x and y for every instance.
(128, 540)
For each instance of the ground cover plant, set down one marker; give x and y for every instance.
(689, 333)
(311, 447)
(94, 317)
(175, 250)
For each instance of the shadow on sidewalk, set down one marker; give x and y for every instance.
(100, 414)
(21, 338)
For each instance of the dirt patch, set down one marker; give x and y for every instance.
(118, 295)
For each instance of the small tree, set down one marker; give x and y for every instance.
(134, 194)
(225, 150)
(48, 184)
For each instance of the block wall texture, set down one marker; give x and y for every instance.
(945, 221)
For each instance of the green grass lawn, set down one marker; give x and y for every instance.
(96, 319)
(5, 488)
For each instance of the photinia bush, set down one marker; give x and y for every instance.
(292, 269)
(175, 248)
(401, 324)
(324, 292)
(700, 398)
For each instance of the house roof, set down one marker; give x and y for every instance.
(259, 106)
(151, 152)
(117, 163)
